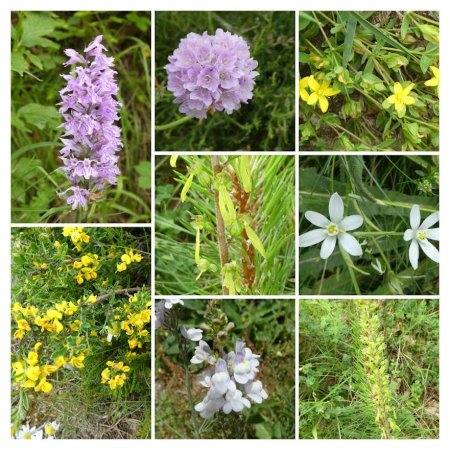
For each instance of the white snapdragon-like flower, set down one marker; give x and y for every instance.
(245, 363)
(420, 234)
(231, 382)
(234, 401)
(192, 334)
(333, 230)
(255, 391)
(203, 354)
(169, 303)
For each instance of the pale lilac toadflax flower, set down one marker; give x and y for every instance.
(211, 73)
(89, 108)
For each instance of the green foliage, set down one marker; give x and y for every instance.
(75, 313)
(258, 234)
(336, 376)
(267, 122)
(38, 42)
(268, 328)
(363, 54)
(382, 189)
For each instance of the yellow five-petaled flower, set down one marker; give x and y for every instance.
(319, 93)
(400, 98)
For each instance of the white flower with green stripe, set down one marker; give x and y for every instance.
(420, 234)
(335, 229)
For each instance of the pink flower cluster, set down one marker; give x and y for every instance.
(211, 73)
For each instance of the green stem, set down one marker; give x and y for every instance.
(175, 123)
(349, 264)
(377, 233)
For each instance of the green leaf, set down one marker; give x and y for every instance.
(429, 32)
(254, 239)
(58, 353)
(262, 432)
(34, 59)
(18, 63)
(245, 172)
(348, 42)
(425, 62)
(186, 187)
(39, 115)
(380, 36)
(144, 174)
(405, 26)
(35, 26)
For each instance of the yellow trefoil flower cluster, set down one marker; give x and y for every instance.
(114, 374)
(87, 268)
(313, 91)
(127, 258)
(134, 317)
(30, 375)
(77, 236)
(51, 320)
(400, 98)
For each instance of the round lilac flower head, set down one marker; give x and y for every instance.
(211, 73)
(91, 140)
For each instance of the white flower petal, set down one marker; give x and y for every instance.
(312, 237)
(414, 217)
(327, 247)
(430, 221)
(414, 254)
(430, 250)
(336, 208)
(350, 223)
(433, 234)
(350, 244)
(408, 235)
(317, 219)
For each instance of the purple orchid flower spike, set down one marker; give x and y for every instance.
(91, 140)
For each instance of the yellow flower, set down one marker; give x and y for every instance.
(92, 299)
(23, 325)
(75, 325)
(57, 244)
(70, 309)
(126, 259)
(19, 334)
(105, 375)
(304, 94)
(33, 373)
(43, 386)
(434, 81)
(33, 358)
(137, 257)
(48, 369)
(121, 267)
(60, 361)
(54, 314)
(57, 326)
(79, 278)
(18, 368)
(400, 98)
(37, 346)
(77, 265)
(77, 361)
(320, 92)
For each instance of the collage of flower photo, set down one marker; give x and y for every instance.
(224, 225)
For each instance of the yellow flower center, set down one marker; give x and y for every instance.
(332, 229)
(422, 235)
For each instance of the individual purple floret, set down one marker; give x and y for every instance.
(211, 73)
(91, 140)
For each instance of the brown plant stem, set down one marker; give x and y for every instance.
(222, 240)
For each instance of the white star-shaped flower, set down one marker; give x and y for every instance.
(419, 235)
(334, 229)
